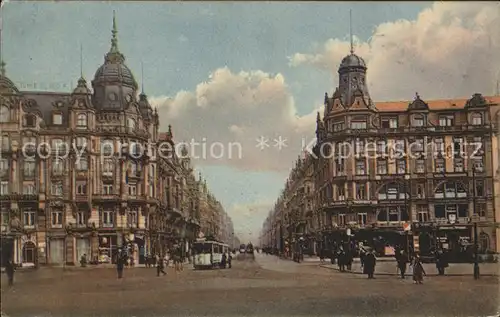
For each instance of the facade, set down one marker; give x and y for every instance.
(416, 174)
(81, 173)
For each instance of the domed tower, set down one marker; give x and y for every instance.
(7, 87)
(114, 85)
(352, 79)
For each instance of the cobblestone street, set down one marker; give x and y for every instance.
(268, 286)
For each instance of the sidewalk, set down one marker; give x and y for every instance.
(455, 269)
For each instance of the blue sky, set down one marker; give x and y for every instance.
(182, 44)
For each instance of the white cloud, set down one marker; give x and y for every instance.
(237, 108)
(451, 50)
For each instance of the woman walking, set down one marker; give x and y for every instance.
(418, 271)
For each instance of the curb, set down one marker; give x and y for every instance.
(394, 274)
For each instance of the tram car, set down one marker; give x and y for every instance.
(208, 254)
(250, 251)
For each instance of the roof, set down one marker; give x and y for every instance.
(441, 104)
(45, 102)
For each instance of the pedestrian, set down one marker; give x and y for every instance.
(341, 259)
(349, 259)
(418, 270)
(9, 270)
(120, 263)
(402, 260)
(223, 261)
(441, 262)
(321, 256)
(83, 260)
(160, 265)
(369, 264)
(229, 258)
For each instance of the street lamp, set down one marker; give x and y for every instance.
(475, 219)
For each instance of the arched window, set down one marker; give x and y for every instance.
(29, 121)
(392, 191)
(477, 119)
(81, 121)
(107, 147)
(4, 114)
(450, 190)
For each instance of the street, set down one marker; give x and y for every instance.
(265, 287)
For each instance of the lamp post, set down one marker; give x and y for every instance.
(475, 219)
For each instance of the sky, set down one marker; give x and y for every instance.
(225, 74)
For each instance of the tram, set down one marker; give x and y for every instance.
(208, 254)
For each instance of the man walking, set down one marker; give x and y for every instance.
(402, 259)
(9, 270)
(120, 263)
(160, 265)
(369, 264)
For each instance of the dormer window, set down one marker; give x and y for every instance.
(446, 121)
(57, 118)
(477, 119)
(81, 121)
(358, 125)
(418, 121)
(389, 123)
(29, 121)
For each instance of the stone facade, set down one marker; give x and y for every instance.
(416, 173)
(87, 172)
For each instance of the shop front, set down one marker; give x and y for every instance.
(83, 248)
(56, 251)
(108, 248)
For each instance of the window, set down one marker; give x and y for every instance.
(362, 218)
(419, 166)
(439, 211)
(57, 219)
(381, 167)
(57, 189)
(133, 169)
(438, 146)
(81, 220)
(135, 148)
(4, 114)
(422, 213)
(479, 186)
(133, 219)
(340, 167)
(29, 121)
(393, 214)
(439, 166)
(338, 126)
(477, 164)
(4, 166)
(107, 147)
(57, 166)
(389, 123)
(401, 167)
(59, 146)
(107, 218)
(132, 190)
(107, 189)
(392, 191)
(341, 192)
(82, 164)
(418, 121)
(446, 121)
(4, 188)
(477, 119)
(399, 148)
(458, 165)
(358, 125)
(81, 121)
(5, 217)
(360, 167)
(360, 191)
(382, 214)
(420, 191)
(29, 190)
(381, 147)
(417, 146)
(57, 118)
(359, 147)
(107, 167)
(341, 218)
(81, 142)
(481, 209)
(29, 144)
(29, 168)
(81, 188)
(450, 190)
(5, 143)
(29, 218)
(458, 147)
(131, 124)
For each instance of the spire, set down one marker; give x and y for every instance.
(114, 55)
(170, 130)
(318, 118)
(350, 31)
(81, 61)
(114, 39)
(2, 63)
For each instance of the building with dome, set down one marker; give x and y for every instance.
(80, 175)
(416, 174)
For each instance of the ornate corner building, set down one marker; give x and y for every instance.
(87, 172)
(416, 173)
